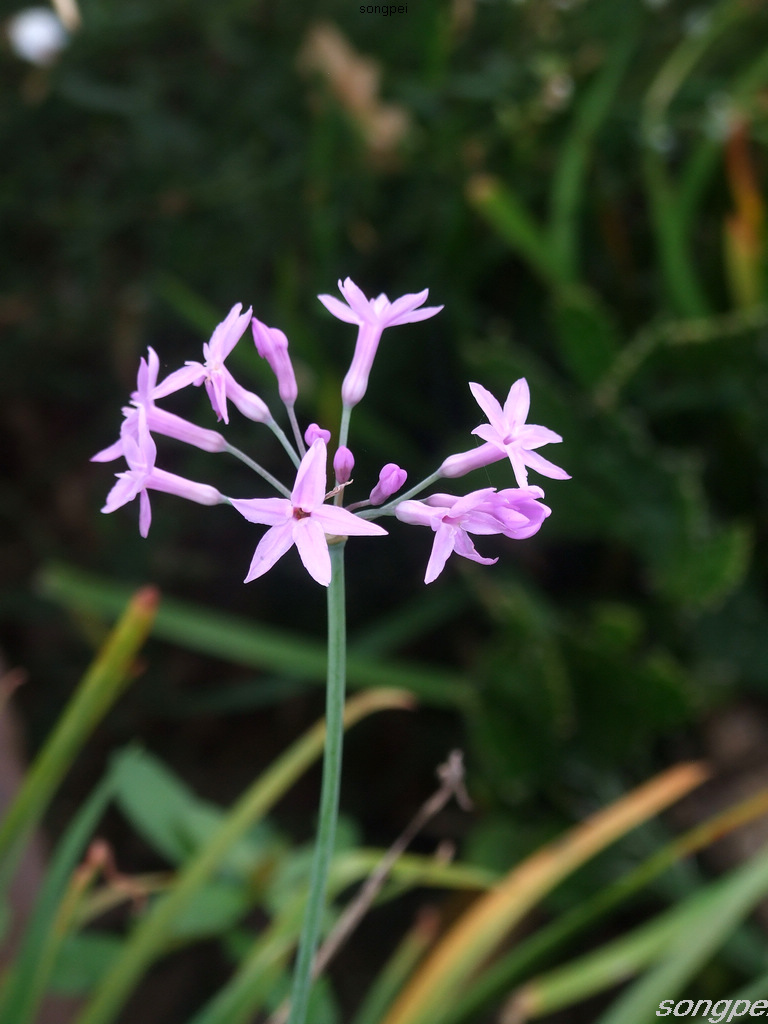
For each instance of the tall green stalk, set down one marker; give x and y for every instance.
(329, 796)
(100, 687)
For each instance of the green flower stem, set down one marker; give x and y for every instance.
(329, 796)
(260, 469)
(283, 439)
(346, 412)
(296, 430)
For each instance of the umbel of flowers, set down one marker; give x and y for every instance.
(310, 514)
(317, 519)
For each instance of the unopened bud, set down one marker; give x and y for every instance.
(343, 464)
(312, 433)
(272, 345)
(391, 479)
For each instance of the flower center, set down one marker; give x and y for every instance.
(299, 513)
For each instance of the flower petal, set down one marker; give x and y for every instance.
(406, 304)
(490, 407)
(466, 549)
(491, 436)
(339, 522)
(227, 334)
(518, 403)
(339, 310)
(519, 460)
(272, 546)
(268, 511)
(445, 538)
(358, 303)
(309, 489)
(125, 490)
(534, 436)
(146, 379)
(544, 466)
(216, 387)
(109, 454)
(191, 373)
(415, 315)
(310, 540)
(145, 513)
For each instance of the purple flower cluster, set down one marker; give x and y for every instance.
(310, 516)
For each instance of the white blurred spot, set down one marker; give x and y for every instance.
(36, 34)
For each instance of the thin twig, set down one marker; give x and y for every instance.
(451, 776)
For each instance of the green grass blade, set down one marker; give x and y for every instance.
(100, 687)
(607, 966)
(27, 982)
(397, 969)
(431, 994)
(686, 291)
(694, 944)
(571, 170)
(511, 219)
(246, 643)
(515, 965)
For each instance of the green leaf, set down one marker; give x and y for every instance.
(213, 909)
(246, 643)
(28, 979)
(83, 959)
(606, 967)
(694, 943)
(171, 818)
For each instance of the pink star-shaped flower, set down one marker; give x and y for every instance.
(515, 513)
(507, 431)
(372, 316)
(219, 382)
(303, 520)
(142, 476)
(158, 420)
(140, 455)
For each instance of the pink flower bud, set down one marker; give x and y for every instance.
(312, 433)
(343, 464)
(391, 479)
(272, 345)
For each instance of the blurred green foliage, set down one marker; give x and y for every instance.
(581, 183)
